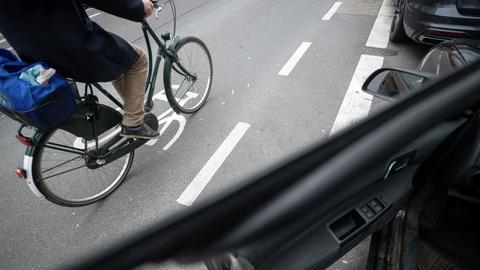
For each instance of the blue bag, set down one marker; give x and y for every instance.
(43, 106)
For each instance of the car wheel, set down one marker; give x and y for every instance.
(397, 30)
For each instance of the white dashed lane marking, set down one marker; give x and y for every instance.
(96, 14)
(292, 62)
(332, 11)
(201, 180)
(380, 33)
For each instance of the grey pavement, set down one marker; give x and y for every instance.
(249, 41)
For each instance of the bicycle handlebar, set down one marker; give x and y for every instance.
(155, 3)
(159, 7)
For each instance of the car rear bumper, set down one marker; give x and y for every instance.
(431, 25)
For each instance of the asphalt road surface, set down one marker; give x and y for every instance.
(286, 75)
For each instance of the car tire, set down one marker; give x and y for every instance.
(397, 29)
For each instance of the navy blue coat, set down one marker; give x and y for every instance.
(60, 33)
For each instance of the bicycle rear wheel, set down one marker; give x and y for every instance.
(64, 177)
(188, 79)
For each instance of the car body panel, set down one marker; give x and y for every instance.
(446, 57)
(431, 22)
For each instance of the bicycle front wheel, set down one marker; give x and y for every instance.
(65, 178)
(188, 78)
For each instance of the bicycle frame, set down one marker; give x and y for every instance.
(161, 53)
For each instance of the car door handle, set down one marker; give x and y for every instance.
(399, 163)
(392, 168)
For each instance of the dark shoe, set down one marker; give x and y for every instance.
(143, 131)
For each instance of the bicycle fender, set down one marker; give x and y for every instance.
(28, 162)
(171, 56)
(27, 165)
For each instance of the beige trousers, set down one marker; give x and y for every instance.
(131, 88)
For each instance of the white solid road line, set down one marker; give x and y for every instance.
(381, 28)
(3, 41)
(356, 103)
(96, 14)
(201, 180)
(10, 49)
(332, 11)
(294, 59)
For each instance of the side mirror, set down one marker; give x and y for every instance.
(392, 83)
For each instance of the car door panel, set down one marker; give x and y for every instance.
(319, 244)
(319, 239)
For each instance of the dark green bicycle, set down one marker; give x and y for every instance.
(85, 159)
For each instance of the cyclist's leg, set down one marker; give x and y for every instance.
(131, 87)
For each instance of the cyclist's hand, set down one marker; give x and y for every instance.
(148, 7)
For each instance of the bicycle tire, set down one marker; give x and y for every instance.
(53, 194)
(203, 75)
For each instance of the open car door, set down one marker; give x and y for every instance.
(309, 211)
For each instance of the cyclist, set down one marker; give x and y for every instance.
(61, 33)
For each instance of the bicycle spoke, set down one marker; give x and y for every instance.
(190, 57)
(181, 84)
(61, 164)
(191, 85)
(67, 171)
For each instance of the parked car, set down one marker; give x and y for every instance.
(409, 175)
(434, 21)
(441, 60)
